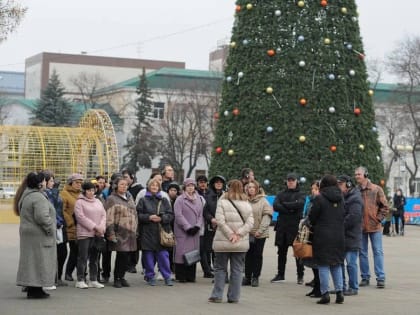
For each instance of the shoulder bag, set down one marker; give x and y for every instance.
(167, 239)
(302, 246)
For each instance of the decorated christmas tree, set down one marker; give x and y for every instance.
(296, 95)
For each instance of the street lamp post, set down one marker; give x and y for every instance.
(403, 151)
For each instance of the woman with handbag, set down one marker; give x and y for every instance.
(188, 211)
(91, 218)
(155, 213)
(121, 228)
(262, 212)
(231, 242)
(327, 220)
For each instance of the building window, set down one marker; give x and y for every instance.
(417, 187)
(158, 110)
(199, 173)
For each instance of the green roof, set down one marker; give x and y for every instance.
(389, 93)
(174, 78)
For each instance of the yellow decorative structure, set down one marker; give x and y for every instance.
(90, 149)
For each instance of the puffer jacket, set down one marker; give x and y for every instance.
(229, 221)
(375, 207)
(90, 213)
(69, 196)
(262, 213)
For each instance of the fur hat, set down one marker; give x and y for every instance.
(189, 181)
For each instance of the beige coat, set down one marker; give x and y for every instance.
(262, 212)
(229, 221)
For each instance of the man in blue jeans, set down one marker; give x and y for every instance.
(353, 209)
(375, 210)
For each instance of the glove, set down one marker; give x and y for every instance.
(192, 231)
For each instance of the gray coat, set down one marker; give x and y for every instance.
(38, 250)
(188, 214)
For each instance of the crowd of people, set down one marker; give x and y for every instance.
(214, 222)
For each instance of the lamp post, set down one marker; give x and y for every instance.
(403, 150)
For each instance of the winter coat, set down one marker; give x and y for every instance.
(209, 213)
(37, 231)
(289, 204)
(188, 214)
(262, 213)
(149, 234)
(229, 221)
(353, 211)
(134, 189)
(327, 219)
(121, 223)
(399, 203)
(69, 196)
(375, 207)
(54, 197)
(143, 192)
(90, 213)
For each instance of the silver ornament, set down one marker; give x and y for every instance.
(331, 109)
(267, 158)
(277, 12)
(269, 129)
(266, 182)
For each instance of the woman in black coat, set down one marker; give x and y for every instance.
(217, 186)
(327, 220)
(399, 203)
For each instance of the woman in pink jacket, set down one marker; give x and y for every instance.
(91, 219)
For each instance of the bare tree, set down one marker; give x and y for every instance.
(404, 62)
(376, 69)
(11, 14)
(3, 110)
(187, 129)
(87, 85)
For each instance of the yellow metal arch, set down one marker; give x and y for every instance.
(90, 149)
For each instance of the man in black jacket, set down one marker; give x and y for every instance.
(353, 210)
(289, 205)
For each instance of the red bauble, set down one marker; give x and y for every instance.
(216, 115)
(302, 101)
(219, 150)
(324, 3)
(357, 111)
(333, 148)
(238, 8)
(235, 112)
(361, 56)
(271, 52)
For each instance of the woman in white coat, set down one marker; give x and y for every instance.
(231, 242)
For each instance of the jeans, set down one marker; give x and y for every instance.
(324, 276)
(220, 269)
(352, 270)
(87, 252)
(378, 256)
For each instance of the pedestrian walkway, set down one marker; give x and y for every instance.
(401, 295)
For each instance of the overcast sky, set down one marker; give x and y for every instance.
(182, 30)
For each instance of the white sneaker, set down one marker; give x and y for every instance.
(95, 284)
(81, 285)
(50, 288)
(159, 277)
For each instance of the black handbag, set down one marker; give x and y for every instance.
(99, 243)
(192, 257)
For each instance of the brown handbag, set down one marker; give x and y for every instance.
(302, 247)
(167, 239)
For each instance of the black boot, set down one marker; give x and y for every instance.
(314, 293)
(36, 293)
(325, 299)
(339, 299)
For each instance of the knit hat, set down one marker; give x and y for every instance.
(73, 177)
(189, 181)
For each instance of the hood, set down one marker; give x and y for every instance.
(332, 193)
(214, 178)
(81, 196)
(256, 198)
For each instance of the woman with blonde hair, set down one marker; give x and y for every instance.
(231, 242)
(262, 212)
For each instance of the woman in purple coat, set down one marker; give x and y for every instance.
(188, 211)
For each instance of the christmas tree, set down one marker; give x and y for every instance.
(296, 96)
